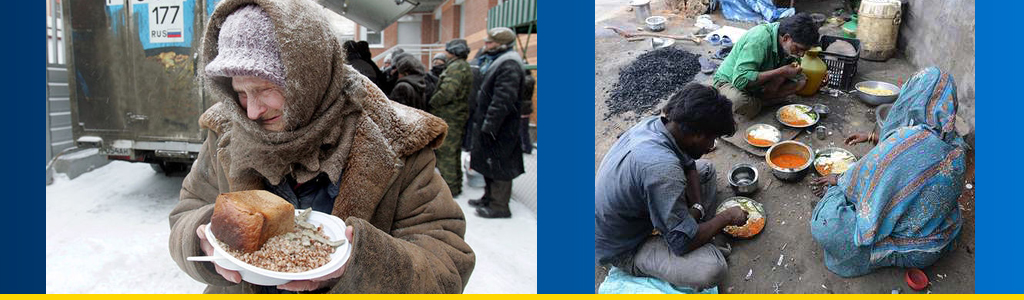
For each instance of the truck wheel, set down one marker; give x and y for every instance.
(171, 168)
(158, 167)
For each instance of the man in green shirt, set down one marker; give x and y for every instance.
(761, 70)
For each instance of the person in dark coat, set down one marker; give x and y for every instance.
(388, 82)
(526, 110)
(357, 62)
(364, 52)
(496, 152)
(412, 87)
(478, 77)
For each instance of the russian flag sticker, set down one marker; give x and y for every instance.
(174, 34)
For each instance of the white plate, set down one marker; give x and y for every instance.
(775, 139)
(333, 227)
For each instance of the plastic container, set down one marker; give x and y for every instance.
(815, 71)
(841, 68)
(850, 27)
(878, 27)
(333, 227)
(916, 279)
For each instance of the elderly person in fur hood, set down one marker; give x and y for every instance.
(295, 120)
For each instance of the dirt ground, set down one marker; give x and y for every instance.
(789, 205)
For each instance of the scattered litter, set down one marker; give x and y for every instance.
(824, 287)
(756, 257)
(783, 223)
(895, 291)
(730, 289)
(929, 291)
(749, 274)
(970, 186)
(780, 260)
(943, 276)
(786, 244)
(777, 286)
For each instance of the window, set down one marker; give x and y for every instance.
(376, 39)
(54, 40)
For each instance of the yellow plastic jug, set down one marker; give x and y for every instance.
(815, 71)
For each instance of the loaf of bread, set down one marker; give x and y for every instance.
(246, 220)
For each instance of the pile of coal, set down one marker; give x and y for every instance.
(653, 77)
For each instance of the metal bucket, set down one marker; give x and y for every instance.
(790, 147)
(642, 9)
(743, 179)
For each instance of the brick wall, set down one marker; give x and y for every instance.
(450, 15)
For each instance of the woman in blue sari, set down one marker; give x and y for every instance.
(897, 206)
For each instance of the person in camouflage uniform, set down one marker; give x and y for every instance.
(450, 103)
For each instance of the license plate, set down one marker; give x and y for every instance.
(118, 151)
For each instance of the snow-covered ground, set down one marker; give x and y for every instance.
(106, 232)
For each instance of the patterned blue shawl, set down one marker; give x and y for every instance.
(906, 188)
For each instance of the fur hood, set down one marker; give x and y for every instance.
(327, 103)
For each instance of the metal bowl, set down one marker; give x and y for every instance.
(870, 99)
(804, 108)
(656, 23)
(881, 112)
(778, 134)
(822, 110)
(790, 147)
(819, 19)
(829, 151)
(743, 179)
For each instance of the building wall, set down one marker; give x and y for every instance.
(450, 15)
(390, 39)
(941, 33)
(476, 27)
(428, 29)
(449, 26)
